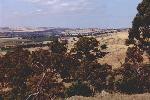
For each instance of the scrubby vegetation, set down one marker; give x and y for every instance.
(135, 75)
(79, 89)
(41, 74)
(44, 74)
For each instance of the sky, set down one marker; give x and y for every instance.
(68, 13)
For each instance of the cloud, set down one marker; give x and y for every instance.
(51, 2)
(43, 2)
(60, 5)
(40, 8)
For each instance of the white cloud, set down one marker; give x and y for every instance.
(60, 5)
(65, 4)
(38, 10)
(51, 2)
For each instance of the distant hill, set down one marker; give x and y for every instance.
(27, 32)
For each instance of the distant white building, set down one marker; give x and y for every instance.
(47, 42)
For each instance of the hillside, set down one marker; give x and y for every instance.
(116, 48)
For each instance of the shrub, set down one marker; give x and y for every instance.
(134, 80)
(104, 46)
(135, 75)
(79, 89)
(129, 82)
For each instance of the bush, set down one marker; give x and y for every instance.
(104, 46)
(97, 75)
(128, 83)
(135, 75)
(79, 89)
(133, 79)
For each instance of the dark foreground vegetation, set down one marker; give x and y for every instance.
(44, 74)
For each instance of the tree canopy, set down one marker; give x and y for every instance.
(141, 25)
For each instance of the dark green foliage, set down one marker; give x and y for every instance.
(84, 48)
(40, 60)
(87, 52)
(95, 74)
(134, 80)
(134, 55)
(46, 86)
(68, 66)
(104, 46)
(86, 44)
(129, 41)
(16, 57)
(87, 49)
(135, 76)
(140, 28)
(130, 81)
(15, 71)
(79, 89)
(57, 47)
(36, 75)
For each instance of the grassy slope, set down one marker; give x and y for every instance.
(116, 47)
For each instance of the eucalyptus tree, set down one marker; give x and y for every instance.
(140, 30)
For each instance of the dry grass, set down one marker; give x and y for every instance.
(114, 97)
(116, 48)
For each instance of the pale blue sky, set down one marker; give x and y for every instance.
(68, 13)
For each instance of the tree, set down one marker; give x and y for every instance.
(45, 86)
(87, 51)
(40, 61)
(16, 70)
(16, 57)
(44, 82)
(135, 74)
(95, 74)
(67, 66)
(57, 47)
(141, 26)
(61, 61)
